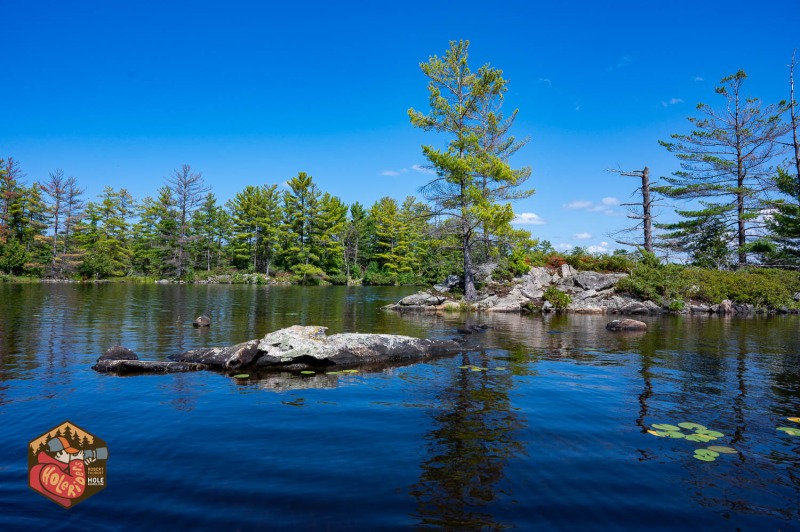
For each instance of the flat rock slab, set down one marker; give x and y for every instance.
(121, 367)
(296, 347)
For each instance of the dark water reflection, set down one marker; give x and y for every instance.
(551, 434)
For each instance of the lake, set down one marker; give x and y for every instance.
(543, 427)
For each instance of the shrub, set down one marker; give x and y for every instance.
(337, 278)
(557, 298)
(375, 277)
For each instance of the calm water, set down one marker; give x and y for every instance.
(557, 440)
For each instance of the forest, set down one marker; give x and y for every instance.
(736, 198)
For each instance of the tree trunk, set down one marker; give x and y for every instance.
(646, 213)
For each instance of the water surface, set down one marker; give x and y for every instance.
(551, 435)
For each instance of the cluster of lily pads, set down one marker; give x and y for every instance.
(791, 431)
(698, 433)
(340, 372)
(478, 368)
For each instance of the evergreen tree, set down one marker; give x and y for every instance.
(104, 235)
(355, 229)
(472, 174)
(301, 253)
(11, 188)
(725, 162)
(330, 237)
(392, 246)
(156, 233)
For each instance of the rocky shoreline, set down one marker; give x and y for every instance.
(589, 292)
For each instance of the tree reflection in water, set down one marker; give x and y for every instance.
(474, 437)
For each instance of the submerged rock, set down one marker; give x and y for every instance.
(626, 325)
(117, 352)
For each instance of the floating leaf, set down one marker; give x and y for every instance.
(791, 431)
(665, 426)
(476, 369)
(308, 372)
(707, 452)
(699, 438)
(241, 376)
(722, 449)
(332, 373)
(349, 371)
(712, 433)
(500, 368)
(794, 419)
(655, 433)
(464, 367)
(704, 458)
(674, 434)
(691, 426)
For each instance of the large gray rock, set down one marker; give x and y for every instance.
(117, 352)
(308, 346)
(144, 366)
(228, 358)
(797, 296)
(597, 281)
(450, 282)
(421, 299)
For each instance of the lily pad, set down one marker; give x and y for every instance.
(241, 376)
(712, 433)
(464, 367)
(500, 368)
(308, 372)
(707, 452)
(794, 419)
(691, 426)
(722, 449)
(349, 371)
(655, 433)
(674, 434)
(665, 426)
(791, 431)
(332, 373)
(704, 457)
(476, 369)
(699, 438)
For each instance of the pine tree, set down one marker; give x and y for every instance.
(301, 252)
(472, 172)
(154, 246)
(330, 237)
(188, 189)
(725, 161)
(104, 235)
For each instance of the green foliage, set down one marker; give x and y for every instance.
(580, 259)
(652, 280)
(560, 300)
(307, 274)
(13, 258)
(758, 286)
(374, 276)
(337, 279)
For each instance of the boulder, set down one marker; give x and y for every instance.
(202, 321)
(227, 358)
(635, 307)
(699, 309)
(547, 306)
(450, 282)
(725, 307)
(626, 325)
(308, 346)
(421, 299)
(566, 271)
(117, 352)
(796, 296)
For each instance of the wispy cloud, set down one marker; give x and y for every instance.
(602, 247)
(578, 105)
(622, 62)
(527, 218)
(671, 101)
(545, 81)
(582, 236)
(422, 169)
(605, 206)
(390, 173)
(697, 78)
(563, 246)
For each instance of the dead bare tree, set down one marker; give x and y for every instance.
(56, 190)
(641, 211)
(189, 189)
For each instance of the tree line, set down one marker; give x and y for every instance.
(741, 203)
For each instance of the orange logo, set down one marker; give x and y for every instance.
(67, 464)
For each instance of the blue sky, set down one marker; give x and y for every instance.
(120, 93)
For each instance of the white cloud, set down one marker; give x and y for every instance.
(582, 236)
(579, 204)
(527, 218)
(564, 246)
(545, 81)
(697, 78)
(602, 247)
(422, 169)
(390, 173)
(610, 201)
(671, 101)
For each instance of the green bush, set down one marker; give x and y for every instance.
(337, 278)
(619, 261)
(557, 298)
(375, 277)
